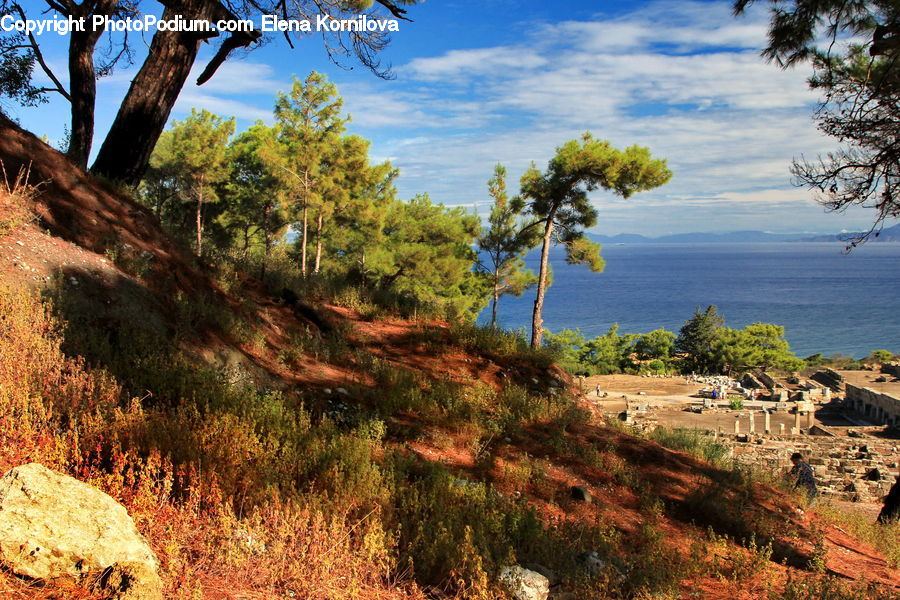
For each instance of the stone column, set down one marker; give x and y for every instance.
(737, 425)
(768, 423)
(781, 428)
(752, 422)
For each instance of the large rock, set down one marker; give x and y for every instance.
(52, 526)
(525, 584)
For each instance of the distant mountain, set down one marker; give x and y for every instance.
(746, 237)
(890, 234)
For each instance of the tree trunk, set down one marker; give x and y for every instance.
(143, 113)
(537, 321)
(83, 82)
(319, 220)
(200, 220)
(267, 211)
(496, 299)
(303, 239)
(126, 151)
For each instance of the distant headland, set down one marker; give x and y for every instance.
(888, 234)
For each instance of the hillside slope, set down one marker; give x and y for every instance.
(385, 458)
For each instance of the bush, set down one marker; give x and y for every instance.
(500, 343)
(691, 441)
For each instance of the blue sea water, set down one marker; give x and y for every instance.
(828, 301)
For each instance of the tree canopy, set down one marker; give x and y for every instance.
(559, 203)
(707, 346)
(191, 158)
(310, 123)
(251, 187)
(696, 338)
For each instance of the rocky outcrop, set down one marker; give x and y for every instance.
(54, 526)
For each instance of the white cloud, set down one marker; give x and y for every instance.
(474, 62)
(235, 77)
(224, 107)
(683, 78)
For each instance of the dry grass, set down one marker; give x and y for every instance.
(243, 496)
(883, 537)
(57, 411)
(16, 199)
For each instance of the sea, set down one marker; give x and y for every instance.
(828, 301)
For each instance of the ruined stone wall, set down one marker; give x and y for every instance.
(857, 470)
(877, 407)
(829, 378)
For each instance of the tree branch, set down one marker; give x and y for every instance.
(394, 10)
(40, 58)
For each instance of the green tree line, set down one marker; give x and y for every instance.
(237, 195)
(704, 345)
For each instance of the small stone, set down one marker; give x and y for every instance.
(592, 561)
(524, 584)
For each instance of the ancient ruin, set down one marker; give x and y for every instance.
(846, 422)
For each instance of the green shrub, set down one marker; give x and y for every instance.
(691, 441)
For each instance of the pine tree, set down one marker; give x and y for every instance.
(359, 222)
(860, 104)
(427, 254)
(560, 205)
(344, 166)
(697, 338)
(255, 202)
(505, 242)
(191, 158)
(760, 345)
(310, 123)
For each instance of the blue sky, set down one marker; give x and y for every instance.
(499, 81)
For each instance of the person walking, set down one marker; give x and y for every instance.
(805, 477)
